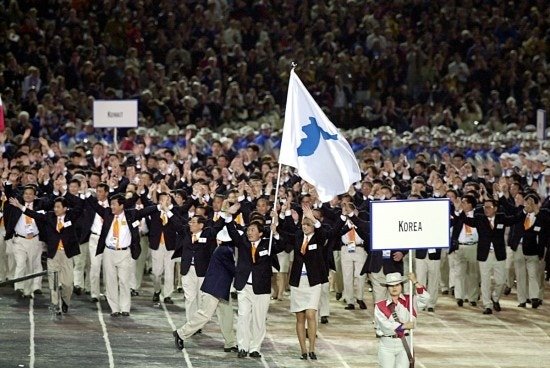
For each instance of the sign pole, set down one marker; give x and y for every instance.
(412, 299)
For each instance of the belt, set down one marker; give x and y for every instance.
(249, 283)
(395, 336)
(113, 248)
(95, 234)
(470, 243)
(27, 237)
(357, 245)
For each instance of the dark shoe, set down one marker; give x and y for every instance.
(242, 354)
(522, 305)
(78, 290)
(303, 356)
(64, 306)
(180, 290)
(20, 293)
(362, 304)
(487, 311)
(452, 291)
(349, 307)
(528, 301)
(535, 303)
(445, 292)
(178, 341)
(37, 292)
(234, 295)
(496, 306)
(312, 356)
(57, 311)
(156, 297)
(168, 300)
(93, 299)
(232, 349)
(199, 331)
(460, 302)
(324, 320)
(431, 309)
(255, 354)
(134, 292)
(115, 314)
(338, 296)
(125, 314)
(473, 304)
(507, 290)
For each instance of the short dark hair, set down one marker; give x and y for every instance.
(470, 199)
(120, 198)
(62, 200)
(532, 196)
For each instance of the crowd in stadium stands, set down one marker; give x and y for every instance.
(437, 99)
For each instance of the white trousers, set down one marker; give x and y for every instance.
(64, 267)
(496, 269)
(511, 274)
(392, 354)
(354, 283)
(444, 284)
(27, 253)
(95, 266)
(428, 274)
(191, 284)
(140, 264)
(4, 268)
(163, 265)
(467, 273)
(324, 304)
(81, 267)
(251, 320)
(225, 319)
(117, 272)
(379, 292)
(338, 281)
(527, 275)
(202, 315)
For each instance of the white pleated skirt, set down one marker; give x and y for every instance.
(304, 296)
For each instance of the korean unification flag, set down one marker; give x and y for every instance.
(313, 145)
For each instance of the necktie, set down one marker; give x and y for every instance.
(164, 220)
(116, 231)
(253, 247)
(352, 234)
(59, 228)
(194, 238)
(239, 219)
(467, 230)
(28, 220)
(492, 222)
(527, 222)
(216, 216)
(304, 245)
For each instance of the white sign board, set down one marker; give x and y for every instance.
(410, 224)
(115, 114)
(541, 124)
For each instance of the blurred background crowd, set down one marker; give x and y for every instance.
(407, 76)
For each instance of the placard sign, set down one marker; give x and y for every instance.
(115, 113)
(410, 224)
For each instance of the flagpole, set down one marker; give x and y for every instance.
(411, 299)
(275, 201)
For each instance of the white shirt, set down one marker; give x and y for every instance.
(98, 220)
(124, 233)
(346, 238)
(21, 228)
(255, 245)
(473, 237)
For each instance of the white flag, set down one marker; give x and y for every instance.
(313, 145)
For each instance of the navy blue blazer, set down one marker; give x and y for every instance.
(220, 273)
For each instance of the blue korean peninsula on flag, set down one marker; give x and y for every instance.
(313, 145)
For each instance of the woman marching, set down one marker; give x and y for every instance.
(307, 274)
